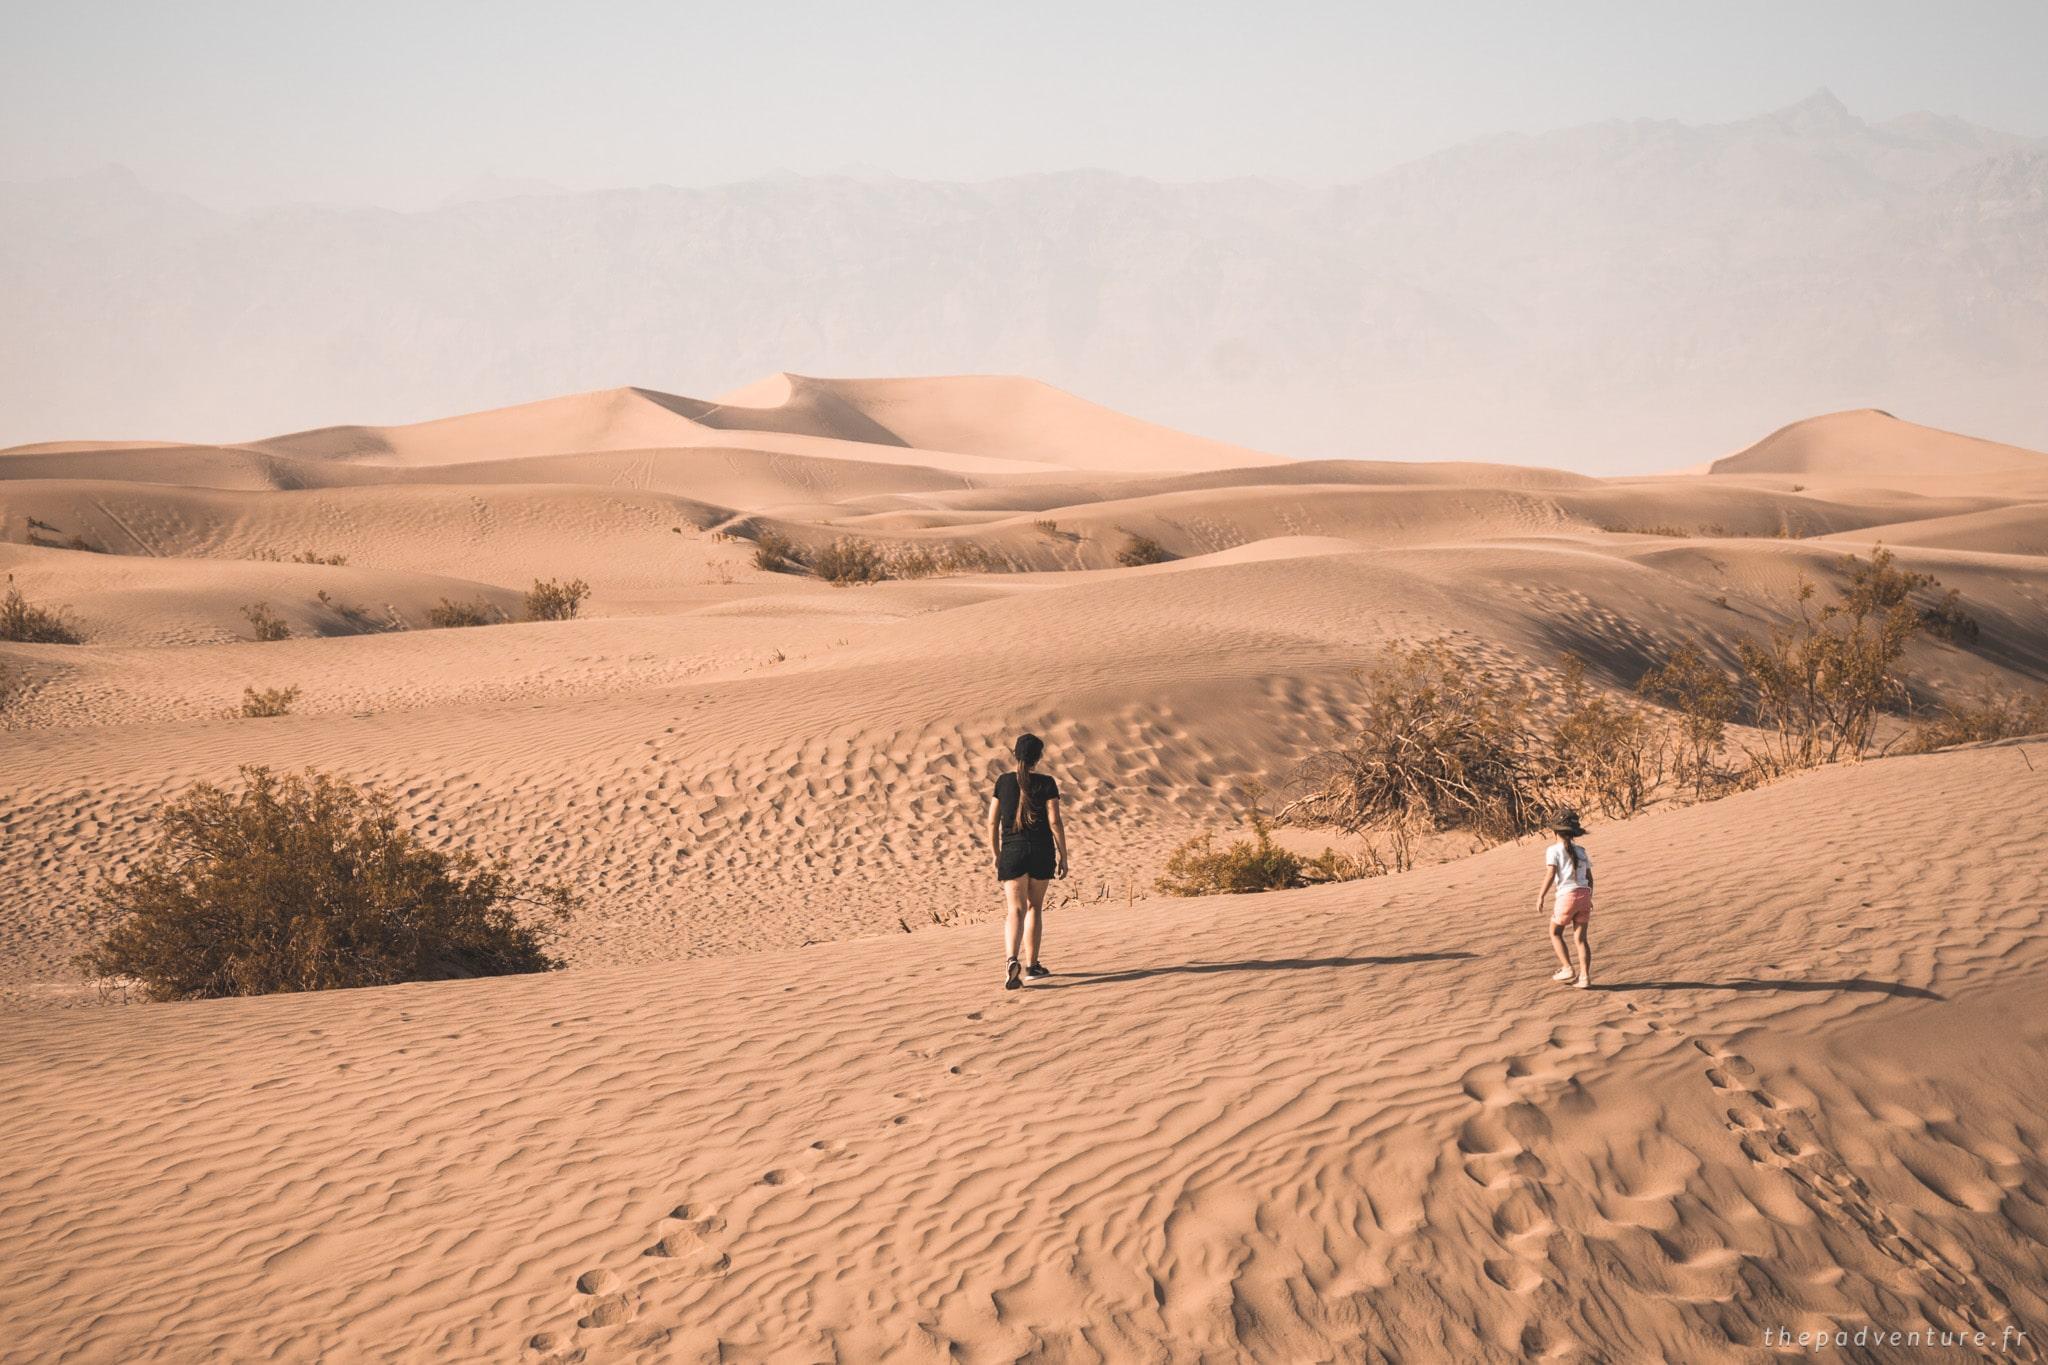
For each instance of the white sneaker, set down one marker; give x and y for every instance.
(1563, 974)
(1584, 983)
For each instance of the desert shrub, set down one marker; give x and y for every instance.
(24, 623)
(315, 557)
(1139, 550)
(1705, 698)
(449, 615)
(359, 620)
(299, 883)
(1199, 868)
(848, 560)
(1821, 683)
(1434, 746)
(1667, 531)
(1945, 619)
(1606, 751)
(274, 701)
(550, 600)
(267, 625)
(1993, 717)
(1048, 528)
(776, 552)
(926, 561)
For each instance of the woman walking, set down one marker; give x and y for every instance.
(1029, 841)
(1570, 869)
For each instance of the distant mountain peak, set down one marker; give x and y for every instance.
(1820, 112)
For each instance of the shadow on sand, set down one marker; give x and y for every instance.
(1068, 980)
(1754, 983)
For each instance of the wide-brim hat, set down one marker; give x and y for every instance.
(1567, 822)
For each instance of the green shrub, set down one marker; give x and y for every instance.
(276, 701)
(301, 883)
(1141, 550)
(447, 615)
(550, 600)
(268, 626)
(24, 623)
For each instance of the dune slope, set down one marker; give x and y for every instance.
(1357, 1123)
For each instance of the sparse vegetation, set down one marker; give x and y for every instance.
(2003, 716)
(24, 623)
(775, 552)
(274, 701)
(315, 557)
(268, 626)
(1139, 550)
(848, 560)
(1604, 751)
(550, 600)
(1199, 868)
(1048, 528)
(450, 615)
(1435, 746)
(1820, 684)
(1704, 696)
(1666, 531)
(298, 883)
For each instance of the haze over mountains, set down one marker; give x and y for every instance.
(1621, 296)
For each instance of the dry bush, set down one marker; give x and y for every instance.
(359, 620)
(315, 557)
(1434, 747)
(550, 600)
(24, 623)
(448, 615)
(274, 701)
(1821, 684)
(2005, 716)
(301, 883)
(847, 561)
(1139, 550)
(268, 626)
(1048, 528)
(1199, 868)
(1705, 698)
(927, 561)
(1666, 531)
(1605, 751)
(776, 552)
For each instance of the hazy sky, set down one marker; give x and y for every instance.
(398, 103)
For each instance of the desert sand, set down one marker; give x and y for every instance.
(779, 1107)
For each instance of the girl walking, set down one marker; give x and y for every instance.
(1029, 841)
(1569, 868)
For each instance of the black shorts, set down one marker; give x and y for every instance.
(1026, 855)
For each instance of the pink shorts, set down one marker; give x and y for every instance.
(1574, 907)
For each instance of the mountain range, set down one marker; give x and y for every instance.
(1623, 296)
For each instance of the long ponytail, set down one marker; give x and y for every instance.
(1028, 750)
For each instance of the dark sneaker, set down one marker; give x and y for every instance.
(1015, 978)
(1038, 969)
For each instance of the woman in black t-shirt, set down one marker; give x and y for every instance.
(1030, 845)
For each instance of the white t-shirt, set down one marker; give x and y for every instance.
(1571, 878)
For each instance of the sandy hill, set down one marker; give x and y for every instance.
(1352, 1123)
(994, 424)
(1874, 448)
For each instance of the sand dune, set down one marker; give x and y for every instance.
(760, 1120)
(1872, 447)
(1355, 1123)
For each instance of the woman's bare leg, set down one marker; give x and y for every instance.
(1034, 920)
(1016, 898)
